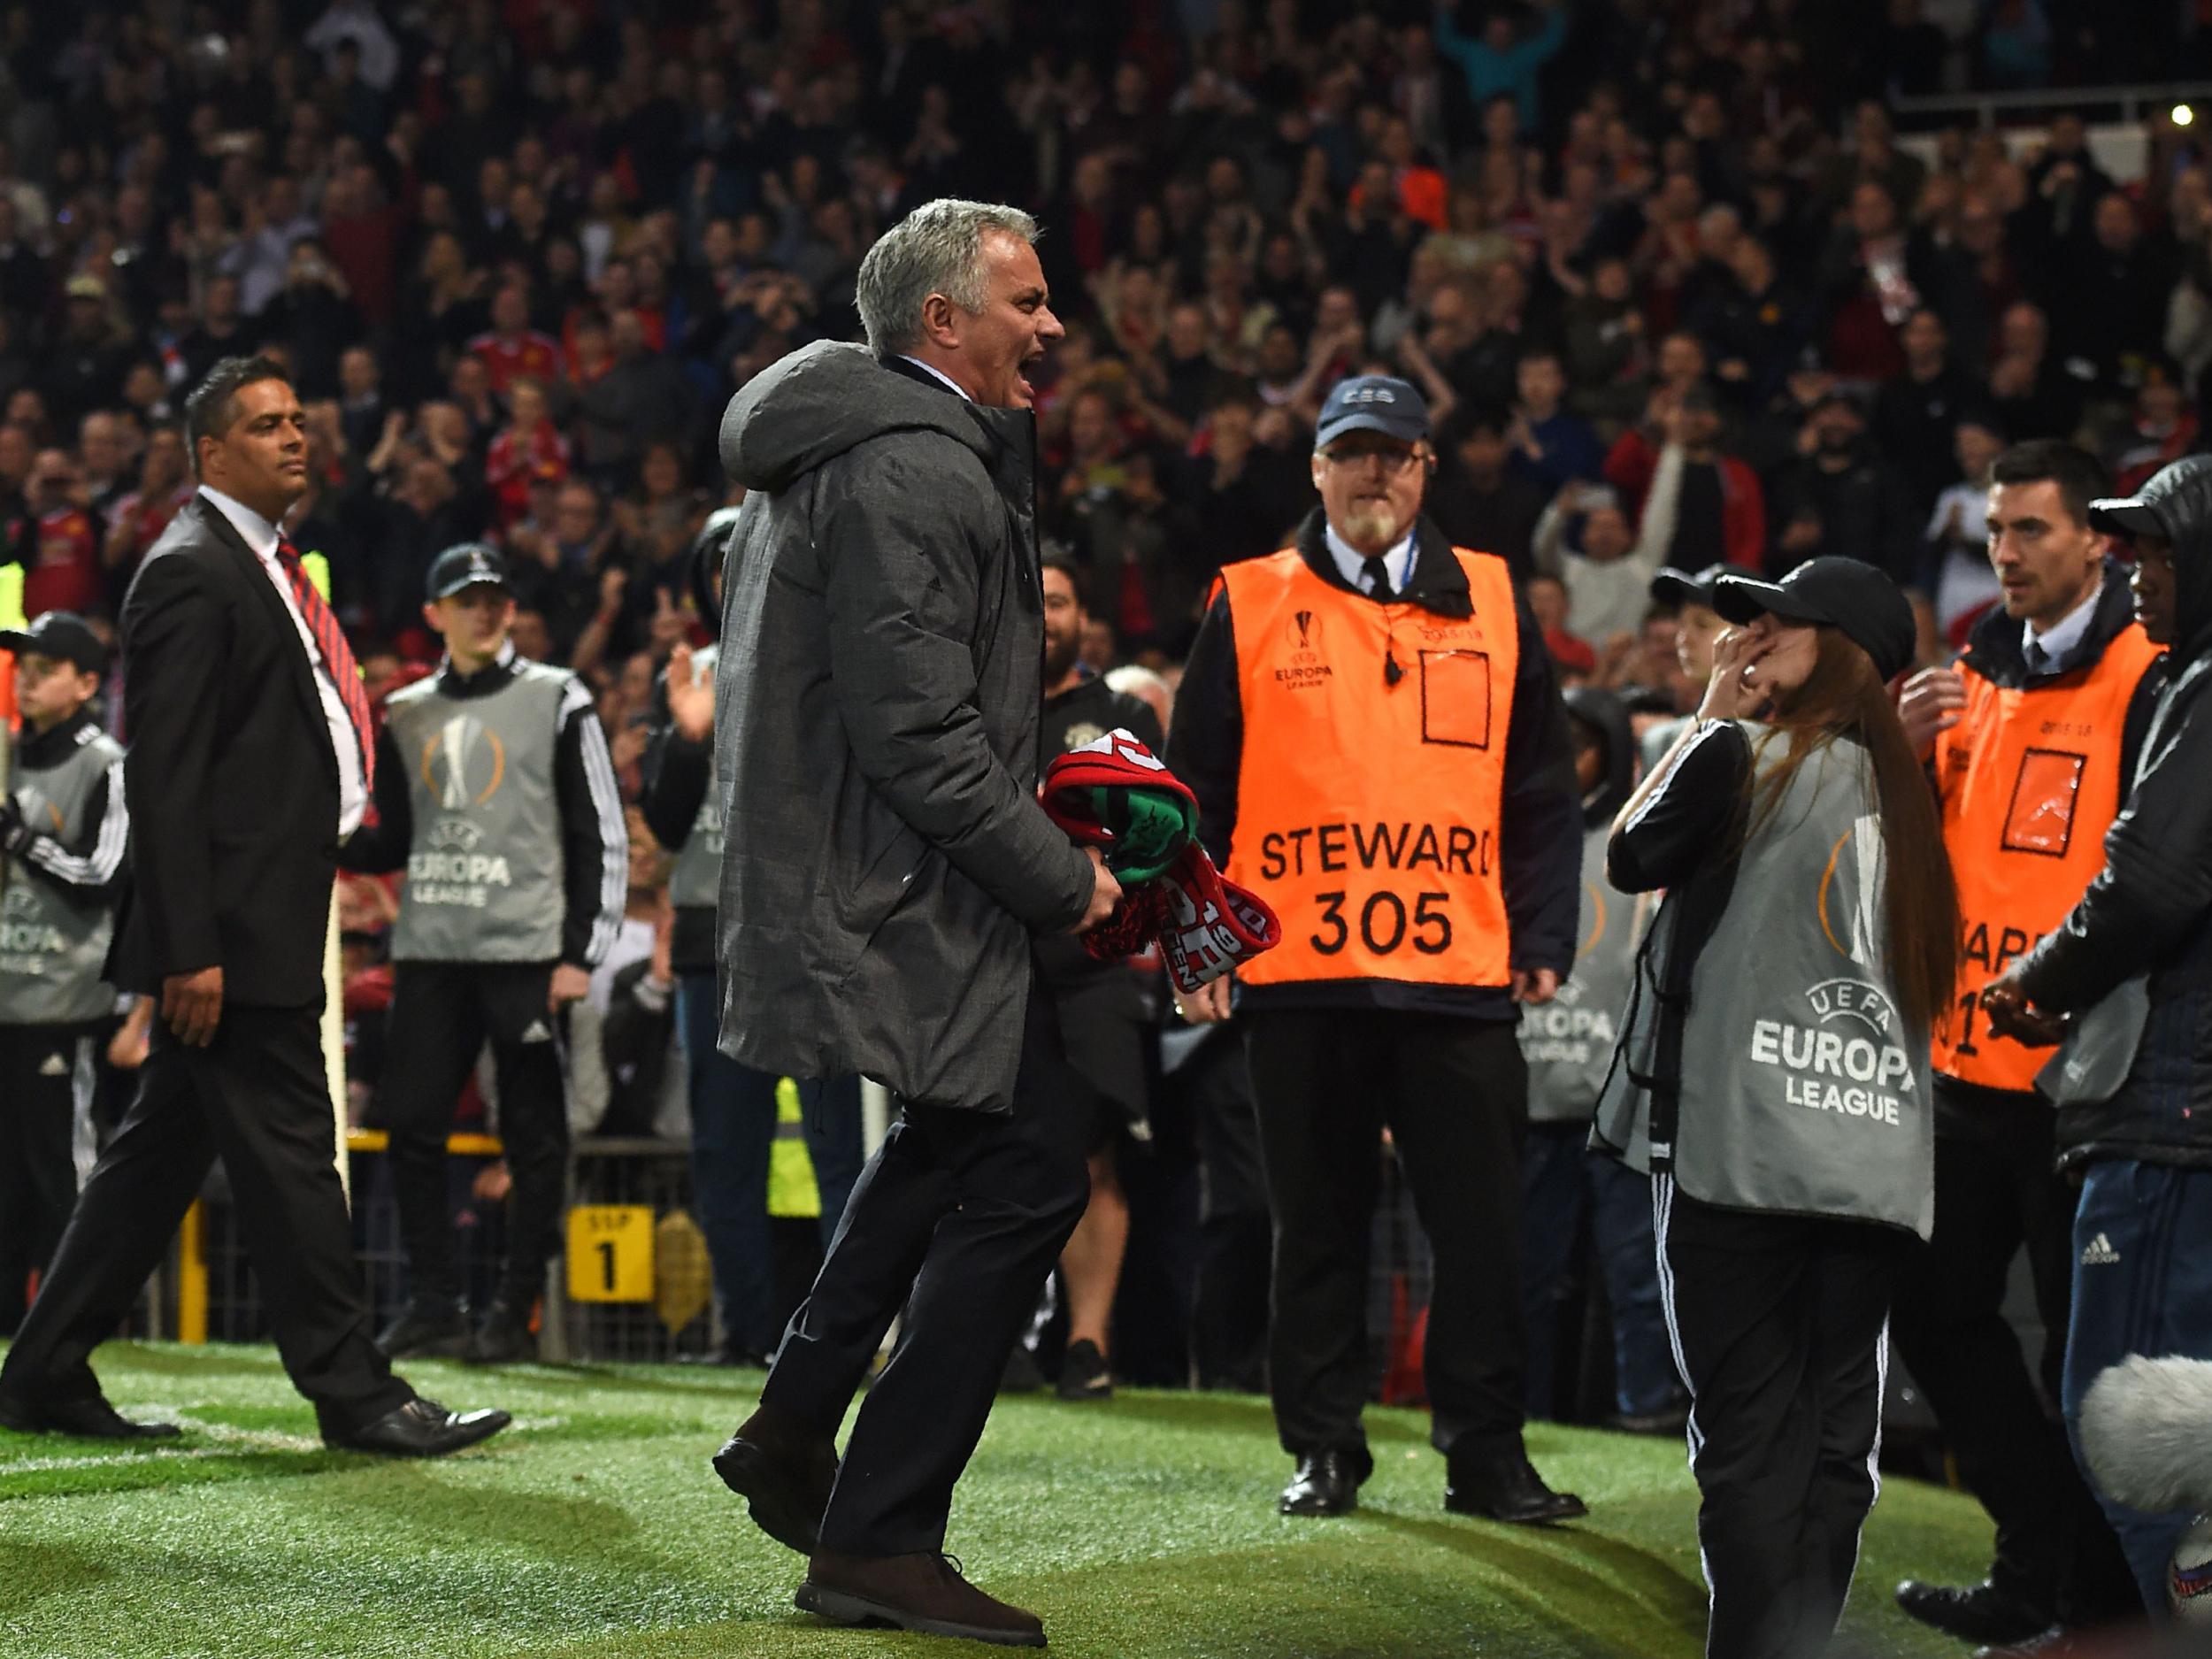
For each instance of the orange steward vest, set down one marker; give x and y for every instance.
(2029, 780)
(1367, 803)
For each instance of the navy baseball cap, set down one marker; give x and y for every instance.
(1838, 592)
(1372, 402)
(464, 566)
(1674, 585)
(63, 635)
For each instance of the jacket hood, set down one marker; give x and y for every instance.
(1610, 716)
(2178, 498)
(824, 399)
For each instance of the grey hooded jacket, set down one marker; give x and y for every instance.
(876, 710)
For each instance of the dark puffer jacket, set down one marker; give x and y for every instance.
(877, 701)
(2149, 911)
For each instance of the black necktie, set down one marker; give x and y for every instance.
(1378, 579)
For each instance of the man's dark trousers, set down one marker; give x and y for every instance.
(442, 1014)
(1997, 1190)
(2142, 1252)
(958, 1220)
(257, 1095)
(1454, 1093)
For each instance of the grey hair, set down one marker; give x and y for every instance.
(937, 249)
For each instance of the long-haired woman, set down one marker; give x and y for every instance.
(1773, 1076)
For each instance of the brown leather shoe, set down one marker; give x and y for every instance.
(924, 1593)
(784, 1468)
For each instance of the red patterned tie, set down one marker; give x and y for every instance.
(330, 640)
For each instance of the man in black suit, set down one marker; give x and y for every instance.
(249, 763)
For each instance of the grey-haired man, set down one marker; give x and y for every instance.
(886, 866)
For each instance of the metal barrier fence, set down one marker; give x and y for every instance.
(207, 1291)
(641, 1189)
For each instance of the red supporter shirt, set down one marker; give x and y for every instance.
(511, 468)
(527, 356)
(62, 568)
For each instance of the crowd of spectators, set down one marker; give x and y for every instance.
(518, 255)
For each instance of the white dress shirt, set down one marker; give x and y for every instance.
(262, 537)
(1352, 565)
(927, 369)
(2045, 651)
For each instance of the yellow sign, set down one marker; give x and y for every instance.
(610, 1253)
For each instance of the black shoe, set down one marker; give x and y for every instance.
(924, 1593)
(735, 1355)
(1982, 1612)
(503, 1339)
(93, 1419)
(784, 1470)
(1505, 1486)
(2055, 1643)
(1021, 1375)
(1328, 1483)
(423, 1428)
(431, 1329)
(1083, 1374)
(1670, 1422)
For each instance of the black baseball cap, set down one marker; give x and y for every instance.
(2145, 512)
(63, 635)
(1841, 593)
(464, 566)
(1372, 402)
(1674, 585)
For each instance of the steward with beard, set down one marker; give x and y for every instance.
(1372, 727)
(1108, 1019)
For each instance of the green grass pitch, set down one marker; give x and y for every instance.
(594, 1528)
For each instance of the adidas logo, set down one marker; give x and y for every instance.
(538, 1031)
(55, 1066)
(2099, 1253)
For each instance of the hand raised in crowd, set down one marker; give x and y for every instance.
(1105, 893)
(1931, 704)
(2011, 1015)
(690, 700)
(570, 984)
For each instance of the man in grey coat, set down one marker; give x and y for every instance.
(887, 865)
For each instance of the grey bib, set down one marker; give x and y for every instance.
(1567, 1042)
(1802, 1089)
(53, 938)
(484, 875)
(695, 881)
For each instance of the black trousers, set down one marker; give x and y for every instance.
(1235, 1246)
(1778, 1324)
(443, 1013)
(47, 1076)
(257, 1096)
(1453, 1094)
(1995, 1194)
(958, 1219)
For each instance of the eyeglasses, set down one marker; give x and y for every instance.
(1393, 460)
